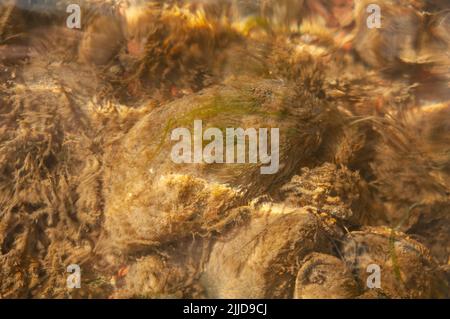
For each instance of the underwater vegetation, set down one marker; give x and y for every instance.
(362, 186)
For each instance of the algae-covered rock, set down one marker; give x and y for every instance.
(324, 276)
(335, 191)
(262, 258)
(406, 267)
(136, 186)
(178, 207)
